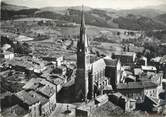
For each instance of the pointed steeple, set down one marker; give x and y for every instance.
(82, 19)
(83, 41)
(82, 28)
(83, 62)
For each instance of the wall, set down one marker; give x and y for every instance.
(136, 94)
(9, 56)
(151, 92)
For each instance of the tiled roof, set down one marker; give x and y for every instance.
(30, 97)
(130, 85)
(110, 62)
(150, 74)
(148, 68)
(156, 77)
(48, 91)
(32, 84)
(163, 59)
(136, 85)
(137, 71)
(156, 59)
(131, 77)
(117, 94)
(101, 98)
(22, 63)
(149, 85)
(42, 85)
(17, 111)
(125, 54)
(128, 72)
(58, 81)
(39, 97)
(47, 82)
(26, 98)
(100, 64)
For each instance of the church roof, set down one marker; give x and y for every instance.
(110, 62)
(103, 62)
(98, 65)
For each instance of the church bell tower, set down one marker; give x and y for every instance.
(83, 62)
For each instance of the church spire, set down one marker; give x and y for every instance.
(83, 38)
(82, 21)
(83, 62)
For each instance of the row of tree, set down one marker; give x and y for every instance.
(20, 48)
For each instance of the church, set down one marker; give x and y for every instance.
(93, 77)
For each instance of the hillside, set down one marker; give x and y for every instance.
(161, 18)
(133, 22)
(11, 14)
(140, 12)
(127, 19)
(5, 6)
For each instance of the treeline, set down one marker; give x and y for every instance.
(9, 15)
(20, 48)
(152, 49)
(133, 22)
(160, 35)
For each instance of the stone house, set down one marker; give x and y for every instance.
(105, 71)
(126, 58)
(31, 101)
(138, 90)
(127, 104)
(7, 55)
(46, 89)
(100, 100)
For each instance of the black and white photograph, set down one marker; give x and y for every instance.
(83, 58)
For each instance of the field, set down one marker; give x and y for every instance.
(53, 39)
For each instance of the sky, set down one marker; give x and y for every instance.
(114, 4)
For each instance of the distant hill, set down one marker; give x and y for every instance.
(138, 22)
(5, 6)
(11, 14)
(140, 12)
(93, 17)
(9, 11)
(149, 11)
(138, 19)
(104, 18)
